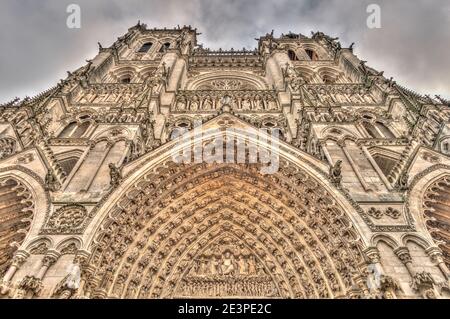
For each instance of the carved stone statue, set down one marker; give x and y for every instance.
(115, 174)
(336, 173)
(51, 183)
(403, 182)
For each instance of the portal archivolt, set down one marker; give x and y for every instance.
(436, 204)
(205, 230)
(16, 213)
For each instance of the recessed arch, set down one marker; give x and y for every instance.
(72, 240)
(422, 242)
(436, 212)
(31, 187)
(385, 238)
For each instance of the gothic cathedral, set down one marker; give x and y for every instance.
(93, 203)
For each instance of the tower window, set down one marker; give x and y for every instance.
(125, 80)
(312, 55)
(445, 147)
(164, 47)
(328, 79)
(292, 56)
(145, 47)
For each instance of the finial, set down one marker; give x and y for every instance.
(100, 47)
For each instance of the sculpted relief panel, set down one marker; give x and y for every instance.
(228, 233)
(227, 268)
(214, 100)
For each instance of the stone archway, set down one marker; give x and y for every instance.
(225, 230)
(436, 209)
(206, 230)
(16, 214)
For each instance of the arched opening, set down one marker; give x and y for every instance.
(81, 129)
(445, 145)
(164, 47)
(292, 56)
(327, 79)
(68, 130)
(125, 80)
(436, 206)
(312, 55)
(385, 130)
(201, 230)
(370, 128)
(145, 47)
(16, 213)
(75, 130)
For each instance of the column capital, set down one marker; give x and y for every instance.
(403, 254)
(372, 254)
(81, 257)
(19, 258)
(50, 258)
(435, 254)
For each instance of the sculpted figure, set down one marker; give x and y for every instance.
(246, 104)
(403, 182)
(194, 103)
(181, 104)
(228, 266)
(336, 173)
(115, 174)
(207, 103)
(259, 104)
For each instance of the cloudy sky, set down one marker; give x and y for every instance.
(37, 48)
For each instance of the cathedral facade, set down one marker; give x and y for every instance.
(95, 203)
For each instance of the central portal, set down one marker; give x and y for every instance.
(225, 230)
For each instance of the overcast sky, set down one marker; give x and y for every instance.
(37, 48)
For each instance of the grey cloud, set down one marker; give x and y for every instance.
(38, 48)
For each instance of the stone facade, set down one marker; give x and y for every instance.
(92, 204)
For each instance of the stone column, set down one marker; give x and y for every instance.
(47, 262)
(387, 285)
(17, 262)
(323, 145)
(403, 254)
(436, 256)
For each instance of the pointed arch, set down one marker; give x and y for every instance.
(161, 221)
